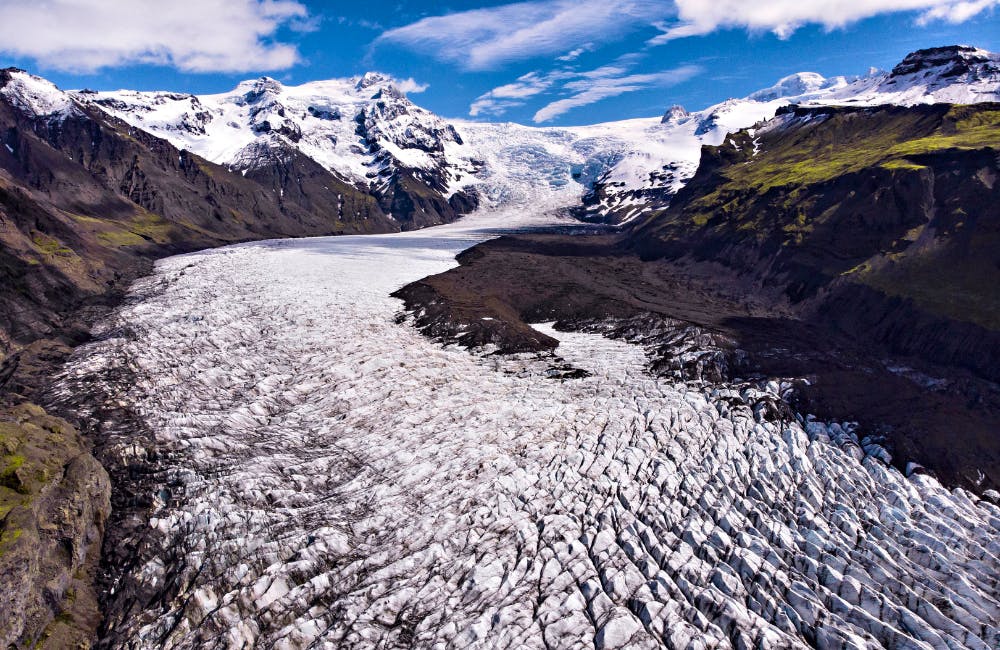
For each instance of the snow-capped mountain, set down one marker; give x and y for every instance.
(368, 132)
(364, 130)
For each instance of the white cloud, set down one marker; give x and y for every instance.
(582, 87)
(191, 35)
(594, 88)
(409, 86)
(783, 17)
(486, 105)
(502, 98)
(482, 39)
(575, 53)
(957, 12)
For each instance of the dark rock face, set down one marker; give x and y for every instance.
(415, 197)
(55, 500)
(409, 197)
(953, 60)
(606, 202)
(908, 215)
(673, 114)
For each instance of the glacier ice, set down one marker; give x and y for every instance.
(320, 475)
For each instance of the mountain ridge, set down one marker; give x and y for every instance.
(613, 166)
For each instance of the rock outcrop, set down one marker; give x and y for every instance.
(54, 502)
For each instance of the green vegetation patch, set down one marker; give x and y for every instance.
(12, 459)
(967, 292)
(144, 228)
(901, 164)
(49, 245)
(851, 142)
(120, 238)
(964, 127)
(33, 448)
(8, 537)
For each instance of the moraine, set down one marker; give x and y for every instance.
(311, 473)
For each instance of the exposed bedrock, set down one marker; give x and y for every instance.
(54, 502)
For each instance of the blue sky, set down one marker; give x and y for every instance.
(552, 62)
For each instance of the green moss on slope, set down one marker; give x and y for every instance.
(901, 200)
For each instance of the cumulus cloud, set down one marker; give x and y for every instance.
(783, 17)
(191, 35)
(482, 39)
(957, 12)
(409, 86)
(593, 89)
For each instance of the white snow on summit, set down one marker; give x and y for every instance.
(797, 85)
(36, 95)
(343, 124)
(958, 74)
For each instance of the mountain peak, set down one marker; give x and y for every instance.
(674, 114)
(793, 85)
(370, 79)
(34, 95)
(254, 89)
(7, 73)
(948, 61)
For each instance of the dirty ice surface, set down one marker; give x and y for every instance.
(323, 476)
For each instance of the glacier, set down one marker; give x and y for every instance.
(320, 475)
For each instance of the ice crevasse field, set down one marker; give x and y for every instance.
(322, 475)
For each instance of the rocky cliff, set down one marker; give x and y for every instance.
(54, 502)
(881, 220)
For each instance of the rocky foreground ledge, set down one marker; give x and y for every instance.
(54, 501)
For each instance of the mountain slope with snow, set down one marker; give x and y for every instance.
(663, 157)
(363, 130)
(368, 132)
